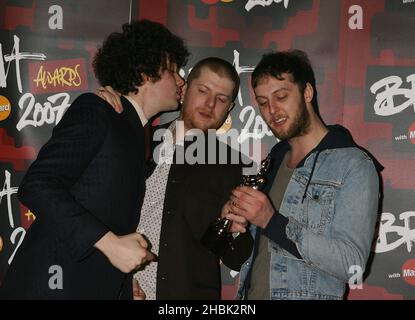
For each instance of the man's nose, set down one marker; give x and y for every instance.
(210, 102)
(273, 108)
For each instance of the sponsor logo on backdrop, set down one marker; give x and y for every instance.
(15, 56)
(253, 126)
(389, 90)
(408, 272)
(390, 98)
(264, 3)
(411, 133)
(48, 77)
(38, 114)
(215, 1)
(18, 233)
(252, 3)
(57, 76)
(5, 108)
(393, 234)
(408, 136)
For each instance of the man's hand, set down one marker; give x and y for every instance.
(239, 223)
(251, 204)
(111, 96)
(138, 293)
(126, 253)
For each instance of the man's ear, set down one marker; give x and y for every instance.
(308, 92)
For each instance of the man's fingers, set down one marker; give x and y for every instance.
(138, 293)
(141, 240)
(237, 211)
(239, 223)
(241, 200)
(150, 257)
(115, 99)
(226, 209)
(237, 218)
(112, 97)
(112, 91)
(136, 286)
(238, 228)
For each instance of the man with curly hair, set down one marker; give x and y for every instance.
(87, 183)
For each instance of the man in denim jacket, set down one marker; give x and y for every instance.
(314, 222)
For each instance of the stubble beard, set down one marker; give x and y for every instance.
(299, 127)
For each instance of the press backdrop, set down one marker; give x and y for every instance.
(363, 54)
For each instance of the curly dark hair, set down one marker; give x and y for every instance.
(143, 47)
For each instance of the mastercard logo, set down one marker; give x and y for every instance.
(408, 272)
(411, 133)
(5, 108)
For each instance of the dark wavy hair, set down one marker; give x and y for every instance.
(294, 62)
(143, 47)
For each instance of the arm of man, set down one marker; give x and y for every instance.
(45, 189)
(126, 253)
(352, 226)
(256, 207)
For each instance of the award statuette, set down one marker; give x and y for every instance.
(217, 237)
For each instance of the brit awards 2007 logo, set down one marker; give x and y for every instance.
(390, 98)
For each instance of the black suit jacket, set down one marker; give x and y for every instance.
(194, 198)
(87, 179)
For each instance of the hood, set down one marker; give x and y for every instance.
(337, 137)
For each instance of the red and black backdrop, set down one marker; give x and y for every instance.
(363, 55)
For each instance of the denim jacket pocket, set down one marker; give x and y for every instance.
(318, 206)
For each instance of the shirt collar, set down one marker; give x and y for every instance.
(139, 110)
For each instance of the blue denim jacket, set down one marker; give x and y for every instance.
(330, 211)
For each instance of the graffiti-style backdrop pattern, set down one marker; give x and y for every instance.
(363, 55)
